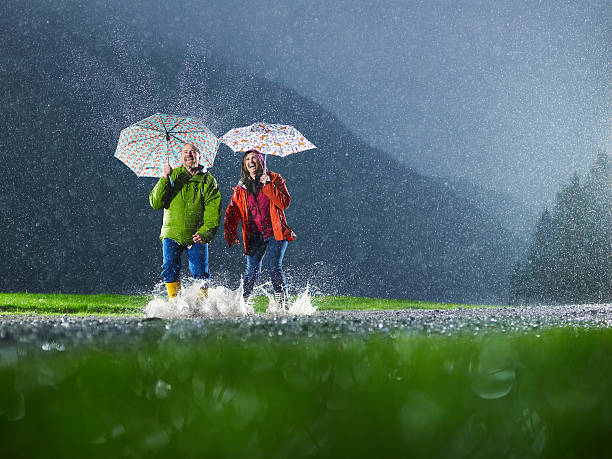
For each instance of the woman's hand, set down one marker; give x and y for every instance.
(265, 178)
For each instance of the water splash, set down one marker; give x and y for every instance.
(220, 303)
(301, 306)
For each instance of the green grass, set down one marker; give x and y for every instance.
(55, 303)
(349, 302)
(58, 303)
(544, 394)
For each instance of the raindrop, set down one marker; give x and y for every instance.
(18, 409)
(162, 388)
(493, 371)
(118, 430)
(157, 440)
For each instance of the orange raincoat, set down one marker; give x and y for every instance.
(237, 211)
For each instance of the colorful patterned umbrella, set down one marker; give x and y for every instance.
(157, 140)
(269, 139)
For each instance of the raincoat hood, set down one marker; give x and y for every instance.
(259, 155)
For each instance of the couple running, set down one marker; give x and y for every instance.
(191, 201)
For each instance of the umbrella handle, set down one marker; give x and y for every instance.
(168, 158)
(170, 178)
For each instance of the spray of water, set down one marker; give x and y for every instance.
(300, 306)
(221, 302)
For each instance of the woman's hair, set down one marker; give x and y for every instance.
(245, 175)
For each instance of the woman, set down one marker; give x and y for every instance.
(259, 201)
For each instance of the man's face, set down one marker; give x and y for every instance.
(189, 156)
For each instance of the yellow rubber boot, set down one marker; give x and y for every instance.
(203, 293)
(173, 288)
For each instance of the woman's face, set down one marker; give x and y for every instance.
(251, 163)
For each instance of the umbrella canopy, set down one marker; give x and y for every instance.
(269, 139)
(147, 145)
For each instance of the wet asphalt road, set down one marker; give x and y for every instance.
(60, 333)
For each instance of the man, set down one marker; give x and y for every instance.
(191, 201)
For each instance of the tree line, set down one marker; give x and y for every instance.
(570, 258)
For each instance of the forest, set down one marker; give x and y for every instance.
(570, 258)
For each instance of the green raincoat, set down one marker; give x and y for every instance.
(192, 205)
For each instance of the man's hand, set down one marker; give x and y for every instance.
(198, 239)
(265, 178)
(167, 170)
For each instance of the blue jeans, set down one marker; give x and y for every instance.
(197, 255)
(275, 251)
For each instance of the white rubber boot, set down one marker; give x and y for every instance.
(282, 299)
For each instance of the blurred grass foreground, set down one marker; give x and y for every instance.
(536, 394)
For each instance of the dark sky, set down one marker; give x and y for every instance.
(511, 95)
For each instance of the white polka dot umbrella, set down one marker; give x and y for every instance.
(147, 145)
(269, 139)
